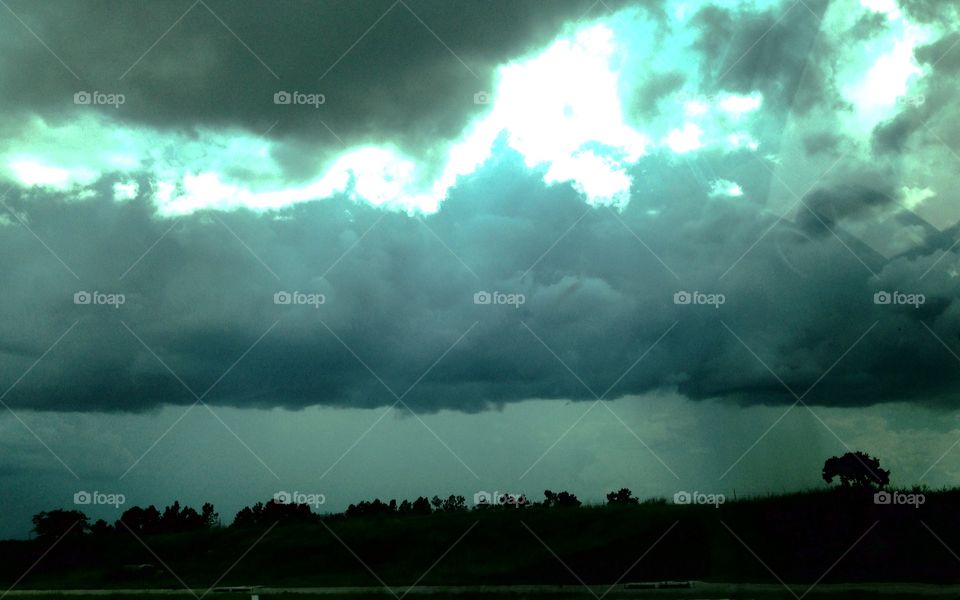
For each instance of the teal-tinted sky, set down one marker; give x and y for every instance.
(394, 249)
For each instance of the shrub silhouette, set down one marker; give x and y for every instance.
(856, 470)
(622, 496)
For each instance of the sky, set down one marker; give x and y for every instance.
(390, 249)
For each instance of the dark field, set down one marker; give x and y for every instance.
(700, 590)
(827, 537)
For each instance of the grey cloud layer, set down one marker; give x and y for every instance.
(398, 299)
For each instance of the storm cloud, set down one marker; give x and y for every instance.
(798, 266)
(388, 70)
(398, 294)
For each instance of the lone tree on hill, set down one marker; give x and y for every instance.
(54, 524)
(856, 470)
(623, 496)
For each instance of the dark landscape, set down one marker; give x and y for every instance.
(846, 534)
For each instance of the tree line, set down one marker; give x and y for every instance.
(855, 471)
(180, 519)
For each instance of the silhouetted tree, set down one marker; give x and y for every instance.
(421, 506)
(53, 524)
(454, 504)
(249, 516)
(622, 496)
(560, 499)
(140, 520)
(209, 515)
(262, 515)
(451, 504)
(374, 508)
(101, 527)
(502, 501)
(856, 470)
(176, 519)
(173, 519)
(283, 512)
(171, 515)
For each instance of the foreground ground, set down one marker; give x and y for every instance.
(818, 537)
(698, 590)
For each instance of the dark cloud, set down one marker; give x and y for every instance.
(772, 52)
(935, 108)
(397, 299)
(892, 136)
(403, 71)
(825, 208)
(599, 285)
(822, 142)
(929, 11)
